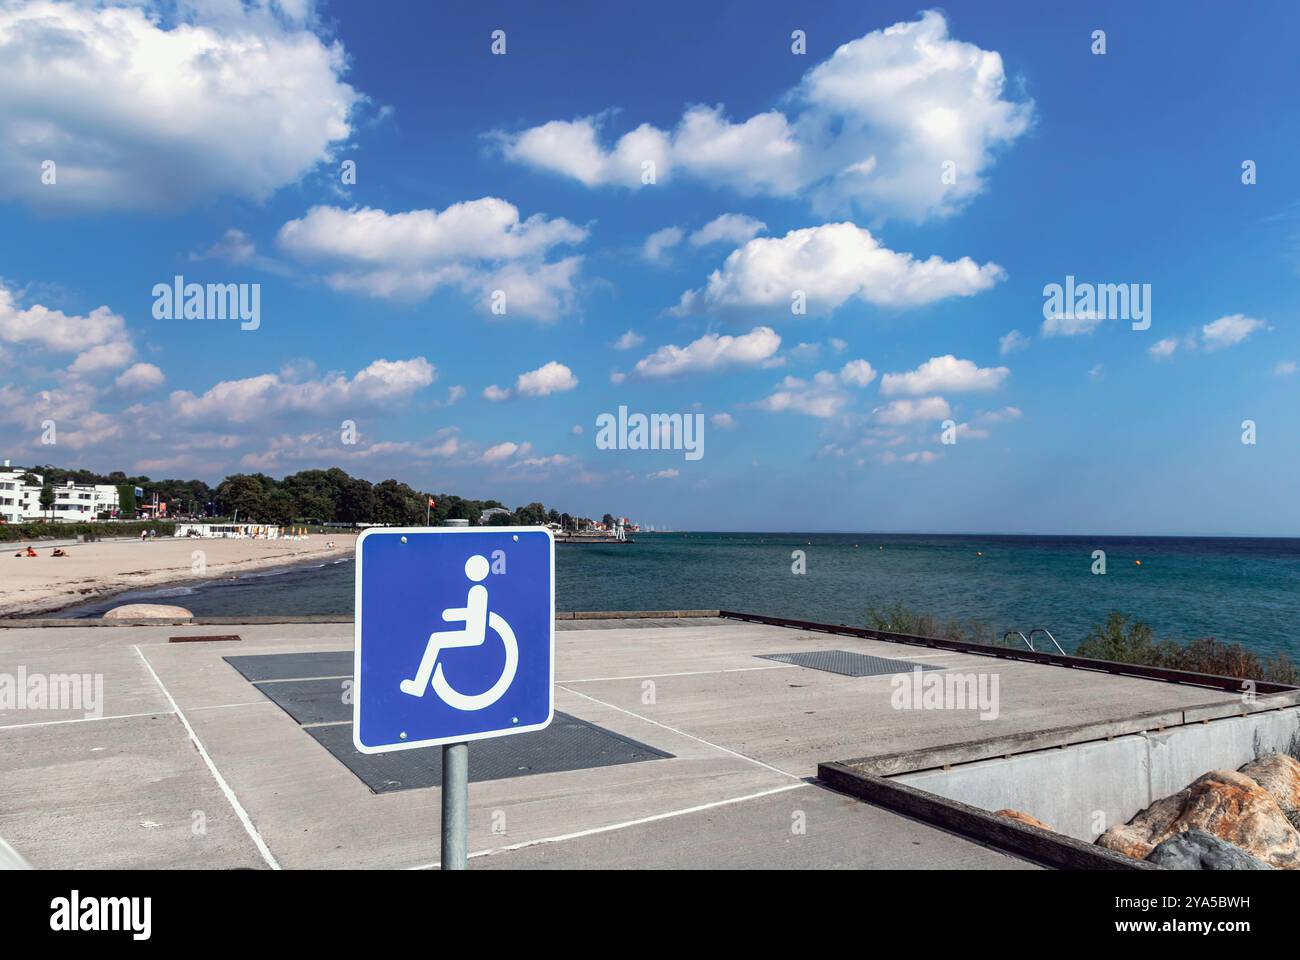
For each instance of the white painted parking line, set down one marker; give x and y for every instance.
(240, 812)
(53, 723)
(684, 673)
(342, 676)
(129, 716)
(625, 824)
(683, 733)
(226, 706)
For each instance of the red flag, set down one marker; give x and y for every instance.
(432, 503)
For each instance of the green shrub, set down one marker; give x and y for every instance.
(1120, 639)
(1113, 642)
(11, 532)
(1202, 655)
(900, 618)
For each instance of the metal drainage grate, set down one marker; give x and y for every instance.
(847, 663)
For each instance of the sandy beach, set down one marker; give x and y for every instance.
(47, 583)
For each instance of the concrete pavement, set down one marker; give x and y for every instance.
(191, 766)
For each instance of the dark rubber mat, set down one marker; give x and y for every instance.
(310, 687)
(567, 744)
(311, 701)
(289, 666)
(846, 663)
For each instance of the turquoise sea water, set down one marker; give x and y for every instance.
(1247, 590)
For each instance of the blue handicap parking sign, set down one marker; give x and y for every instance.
(455, 635)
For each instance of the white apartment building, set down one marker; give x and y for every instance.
(77, 502)
(18, 500)
(21, 502)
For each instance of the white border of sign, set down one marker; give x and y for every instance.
(356, 641)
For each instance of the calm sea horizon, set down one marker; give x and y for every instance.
(1241, 589)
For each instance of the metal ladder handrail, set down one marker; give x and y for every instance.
(1029, 641)
(1049, 637)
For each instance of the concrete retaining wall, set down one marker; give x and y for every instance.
(1081, 789)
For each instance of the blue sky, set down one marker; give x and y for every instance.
(207, 139)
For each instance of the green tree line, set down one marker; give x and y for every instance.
(320, 496)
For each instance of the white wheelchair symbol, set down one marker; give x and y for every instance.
(477, 620)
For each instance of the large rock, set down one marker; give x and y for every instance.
(147, 611)
(1227, 804)
(1022, 817)
(1198, 850)
(1280, 776)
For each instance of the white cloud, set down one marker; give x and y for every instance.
(838, 345)
(1285, 368)
(965, 431)
(919, 456)
(871, 127)
(629, 341)
(723, 421)
(1011, 342)
(799, 353)
(1163, 349)
(554, 460)
(55, 330)
(1071, 324)
(910, 99)
(660, 242)
(141, 376)
(235, 246)
(832, 264)
(945, 373)
(900, 412)
(730, 228)
(824, 396)
(1005, 415)
(1229, 331)
(550, 378)
(237, 99)
(504, 451)
(710, 352)
(978, 428)
(821, 397)
(477, 246)
(668, 474)
(252, 399)
(99, 339)
(571, 148)
(106, 356)
(857, 372)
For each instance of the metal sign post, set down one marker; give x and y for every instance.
(455, 806)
